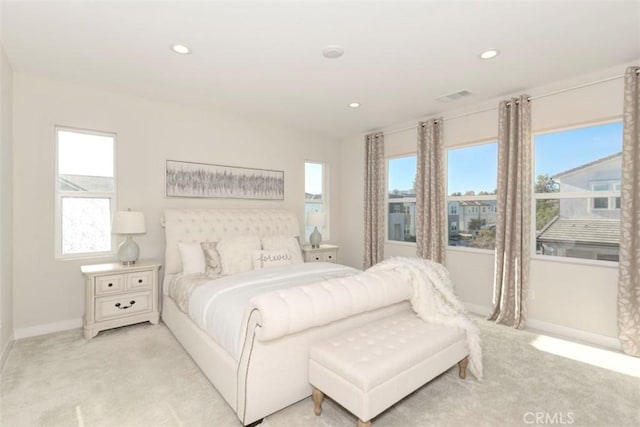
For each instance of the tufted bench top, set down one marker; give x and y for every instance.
(370, 355)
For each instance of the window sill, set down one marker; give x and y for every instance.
(399, 243)
(84, 257)
(462, 249)
(576, 261)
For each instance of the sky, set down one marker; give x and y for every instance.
(313, 178)
(85, 154)
(554, 152)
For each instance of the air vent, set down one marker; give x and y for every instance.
(453, 96)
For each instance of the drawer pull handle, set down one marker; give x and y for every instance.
(121, 307)
(139, 280)
(110, 285)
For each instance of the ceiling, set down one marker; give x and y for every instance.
(263, 59)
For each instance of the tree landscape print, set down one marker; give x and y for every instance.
(187, 179)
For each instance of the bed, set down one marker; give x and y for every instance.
(264, 368)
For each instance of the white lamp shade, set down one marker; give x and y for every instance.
(316, 219)
(128, 222)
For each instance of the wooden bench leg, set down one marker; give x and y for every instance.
(318, 397)
(363, 424)
(462, 367)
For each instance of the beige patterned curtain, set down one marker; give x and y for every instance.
(430, 189)
(511, 273)
(629, 274)
(373, 199)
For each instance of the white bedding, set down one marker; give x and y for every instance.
(220, 307)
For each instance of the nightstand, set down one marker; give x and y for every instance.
(119, 295)
(325, 253)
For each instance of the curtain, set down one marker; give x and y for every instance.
(374, 199)
(629, 265)
(511, 270)
(430, 193)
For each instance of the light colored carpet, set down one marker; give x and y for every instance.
(140, 376)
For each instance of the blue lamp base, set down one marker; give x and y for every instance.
(315, 238)
(128, 251)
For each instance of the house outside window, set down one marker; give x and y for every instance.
(401, 198)
(577, 191)
(85, 192)
(315, 196)
(471, 187)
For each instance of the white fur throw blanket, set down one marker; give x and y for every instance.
(434, 300)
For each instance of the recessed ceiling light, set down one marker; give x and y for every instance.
(332, 51)
(354, 105)
(488, 54)
(180, 48)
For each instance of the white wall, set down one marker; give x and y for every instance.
(6, 204)
(574, 298)
(49, 292)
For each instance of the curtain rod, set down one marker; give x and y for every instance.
(531, 98)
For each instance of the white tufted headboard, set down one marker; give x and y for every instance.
(213, 225)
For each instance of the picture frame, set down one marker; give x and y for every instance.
(203, 180)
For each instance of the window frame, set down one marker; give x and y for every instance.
(588, 195)
(387, 201)
(60, 195)
(326, 233)
(463, 198)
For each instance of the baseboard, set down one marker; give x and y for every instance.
(5, 354)
(48, 328)
(574, 334)
(536, 325)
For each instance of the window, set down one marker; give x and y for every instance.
(85, 192)
(600, 202)
(401, 199)
(472, 180)
(577, 192)
(315, 196)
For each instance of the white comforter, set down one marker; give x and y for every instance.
(220, 307)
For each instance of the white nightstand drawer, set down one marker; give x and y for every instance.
(325, 253)
(139, 280)
(123, 305)
(314, 257)
(109, 284)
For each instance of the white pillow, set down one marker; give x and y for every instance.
(192, 257)
(266, 259)
(284, 242)
(235, 253)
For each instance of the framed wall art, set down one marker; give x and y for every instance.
(189, 179)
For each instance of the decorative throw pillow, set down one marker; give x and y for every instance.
(266, 259)
(192, 257)
(284, 242)
(212, 258)
(235, 253)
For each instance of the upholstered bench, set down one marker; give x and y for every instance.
(370, 368)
